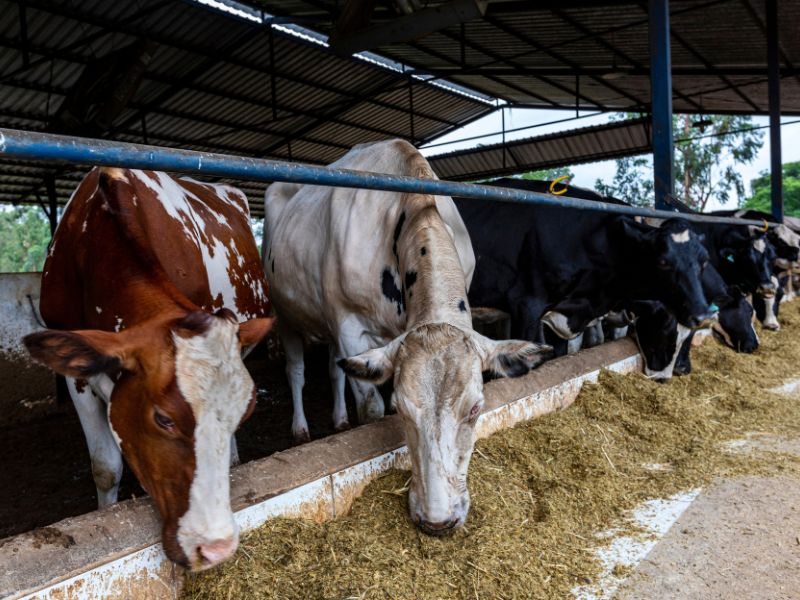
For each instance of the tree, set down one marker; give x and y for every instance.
(548, 174)
(24, 236)
(707, 153)
(762, 191)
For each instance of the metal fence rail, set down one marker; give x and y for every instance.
(28, 145)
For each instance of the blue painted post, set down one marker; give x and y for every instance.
(774, 92)
(661, 102)
(30, 145)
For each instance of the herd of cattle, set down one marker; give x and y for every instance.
(154, 290)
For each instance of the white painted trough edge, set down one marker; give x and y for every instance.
(332, 494)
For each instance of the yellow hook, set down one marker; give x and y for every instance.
(553, 185)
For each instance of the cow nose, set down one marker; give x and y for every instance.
(748, 347)
(216, 552)
(439, 528)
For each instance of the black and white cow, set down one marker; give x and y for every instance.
(381, 278)
(665, 344)
(567, 268)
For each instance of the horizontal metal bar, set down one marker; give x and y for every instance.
(66, 149)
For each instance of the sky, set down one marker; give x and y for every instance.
(587, 174)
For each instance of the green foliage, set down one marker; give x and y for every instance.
(706, 162)
(761, 198)
(24, 236)
(548, 174)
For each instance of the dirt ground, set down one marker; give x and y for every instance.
(46, 474)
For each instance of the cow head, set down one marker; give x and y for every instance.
(668, 262)
(659, 336)
(735, 326)
(786, 243)
(180, 392)
(746, 259)
(438, 392)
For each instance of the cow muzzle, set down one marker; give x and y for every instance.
(210, 554)
(767, 290)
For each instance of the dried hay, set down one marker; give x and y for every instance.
(540, 491)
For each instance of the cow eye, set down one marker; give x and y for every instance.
(474, 412)
(163, 420)
(663, 264)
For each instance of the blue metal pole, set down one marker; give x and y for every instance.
(774, 92)
(71, 150)
(661, 102)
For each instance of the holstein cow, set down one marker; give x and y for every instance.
(382, 278)
(744, 256)
(786, 244)
(665, 344)
(567, 268)
(144, 286)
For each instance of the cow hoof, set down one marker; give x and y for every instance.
(301, 437)
(343, 426)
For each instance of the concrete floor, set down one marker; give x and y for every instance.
(739, 539)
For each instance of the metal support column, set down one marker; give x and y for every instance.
(52, 201)
(774, 90)
(661, 101)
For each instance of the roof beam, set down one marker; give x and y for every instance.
(407, 27)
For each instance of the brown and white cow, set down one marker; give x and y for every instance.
(143, 289)
(382, 278)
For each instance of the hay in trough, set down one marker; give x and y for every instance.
(540, 491)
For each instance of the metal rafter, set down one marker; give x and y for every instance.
(562, 59)
(608, 46)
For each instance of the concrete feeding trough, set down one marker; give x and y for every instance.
(115, 553)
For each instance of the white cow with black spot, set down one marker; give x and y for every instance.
(382, 278)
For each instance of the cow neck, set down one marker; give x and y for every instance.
(432, 278)
(148, 297)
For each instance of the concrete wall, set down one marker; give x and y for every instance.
(27, 391)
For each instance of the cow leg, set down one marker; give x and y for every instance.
(295, 372)
(526, 314)
(593, 336)
(234, 452)
(340, 420)
(354, 340)
(103, 450)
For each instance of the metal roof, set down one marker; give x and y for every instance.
(210, 82)
(595, 54)
(273, 87)
(588, 144)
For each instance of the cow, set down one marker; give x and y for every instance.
(786, 245)
(382, 277)
(566, 268)
(665, 344)
(143, 288)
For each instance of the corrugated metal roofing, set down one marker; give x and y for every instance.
(215, 83)
(546, 55)
(588, 144)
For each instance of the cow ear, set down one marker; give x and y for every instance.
(82, 353)
(253, 331)
(511, 358)
(636, 232)
(374, 366)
